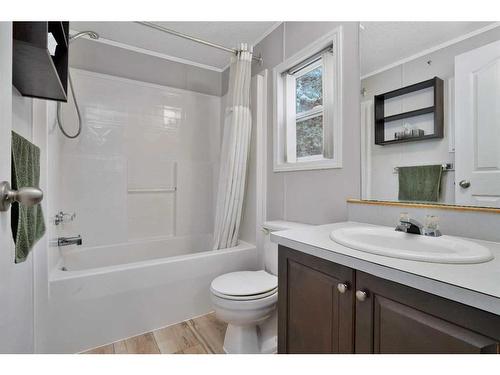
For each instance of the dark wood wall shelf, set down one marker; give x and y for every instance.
(437, 109)
(35, 72)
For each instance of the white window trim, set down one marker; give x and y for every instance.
(332, 110)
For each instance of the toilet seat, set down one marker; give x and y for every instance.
(245, 298)
(245, 285)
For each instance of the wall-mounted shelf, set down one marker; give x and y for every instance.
(437, 109)
(35, 72)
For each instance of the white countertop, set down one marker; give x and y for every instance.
(477, 285)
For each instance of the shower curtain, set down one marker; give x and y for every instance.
(235, 150)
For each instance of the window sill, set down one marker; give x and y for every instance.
(307, 165)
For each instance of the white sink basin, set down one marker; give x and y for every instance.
(388, 242)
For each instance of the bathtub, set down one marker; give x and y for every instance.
(99, 295)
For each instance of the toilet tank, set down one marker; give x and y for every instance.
(270, 248)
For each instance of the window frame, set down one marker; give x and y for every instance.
(284, 139)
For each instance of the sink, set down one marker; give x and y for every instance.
(388, 242)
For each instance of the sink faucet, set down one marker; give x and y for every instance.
(408, 225)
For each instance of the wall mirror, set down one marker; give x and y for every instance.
(430, 112)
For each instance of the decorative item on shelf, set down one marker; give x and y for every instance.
(409, 135)
(407, 132)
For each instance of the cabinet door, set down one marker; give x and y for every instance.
(314, 315)
(394, 318)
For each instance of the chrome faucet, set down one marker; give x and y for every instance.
(408, 225)
(66, 241)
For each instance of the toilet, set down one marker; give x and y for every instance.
(247, 300)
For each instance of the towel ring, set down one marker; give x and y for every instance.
(27, 196)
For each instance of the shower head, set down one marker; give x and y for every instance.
(91, 34)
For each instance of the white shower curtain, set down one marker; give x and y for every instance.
(235, 150)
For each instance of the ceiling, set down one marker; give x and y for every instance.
(228, 34)
(383, 43)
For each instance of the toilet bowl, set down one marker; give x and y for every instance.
(247, 301)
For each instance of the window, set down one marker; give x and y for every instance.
(307, 117)
(308, 124)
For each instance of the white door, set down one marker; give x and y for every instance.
(16, 297)
(477, 126)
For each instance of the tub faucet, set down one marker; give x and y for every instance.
(66, 241)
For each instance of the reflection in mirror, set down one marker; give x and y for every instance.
(430, 112)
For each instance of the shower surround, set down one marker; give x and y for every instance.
(142, 180)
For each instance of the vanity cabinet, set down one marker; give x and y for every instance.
(372, 315)
(392, 318)
(315, 305)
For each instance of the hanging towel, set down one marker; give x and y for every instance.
(420, 183)
(27, 224)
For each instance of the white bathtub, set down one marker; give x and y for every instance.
(113, 292)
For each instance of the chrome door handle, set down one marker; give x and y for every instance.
(361, 295)
(27, 196)
(464, 184)
(343, 287)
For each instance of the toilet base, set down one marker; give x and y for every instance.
(252, 339)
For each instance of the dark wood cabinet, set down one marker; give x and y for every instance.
(35, 71)
(394, 318)
(385, 317)
(314, 315)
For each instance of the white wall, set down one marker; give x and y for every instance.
(314, 197)
(384, 183)
(136, 136)
(254, 209)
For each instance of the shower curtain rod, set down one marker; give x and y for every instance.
(192, 38)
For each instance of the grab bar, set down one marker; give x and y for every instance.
(159, 190)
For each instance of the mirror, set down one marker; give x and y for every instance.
(430, 112)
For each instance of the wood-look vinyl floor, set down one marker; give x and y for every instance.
(202, 335)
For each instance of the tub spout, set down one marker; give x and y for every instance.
(66, 241)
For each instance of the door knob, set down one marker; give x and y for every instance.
(27, 196)
(361, 295)
(464, 184)
(343, 287)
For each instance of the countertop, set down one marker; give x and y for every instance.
(476, 285)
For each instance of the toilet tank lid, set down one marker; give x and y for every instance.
(275, 225)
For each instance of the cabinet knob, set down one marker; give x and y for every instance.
(361, 295)
(343, 287)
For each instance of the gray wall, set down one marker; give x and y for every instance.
(319, 196)
(106, 59)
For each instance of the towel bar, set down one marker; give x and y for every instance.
(447, 167)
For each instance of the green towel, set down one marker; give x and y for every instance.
(27, 224)
(421, 183)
